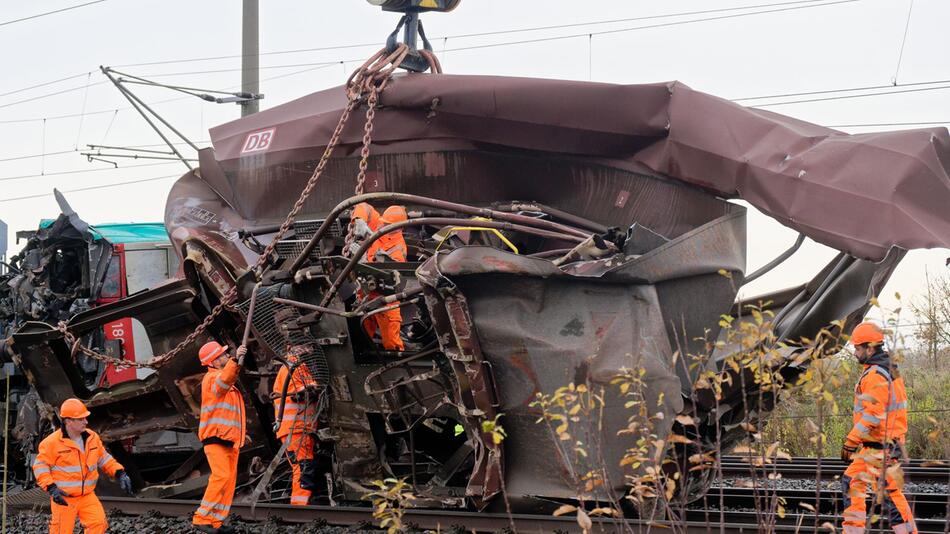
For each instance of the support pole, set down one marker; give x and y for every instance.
(250, 59)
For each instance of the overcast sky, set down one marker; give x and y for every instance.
(789, 47)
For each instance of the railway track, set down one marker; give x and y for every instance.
(739, 517)
(798, 467)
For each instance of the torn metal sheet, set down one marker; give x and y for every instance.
(862, 194)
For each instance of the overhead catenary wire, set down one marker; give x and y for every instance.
(847, 97)
(810, 5)
(38, 15)
(477, 34)
(94, 187)
(318, 66)
(75, 150)
(900, 56)
(44, 84)
(82, 171)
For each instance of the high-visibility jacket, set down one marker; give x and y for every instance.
(75, 471)
(222, 407)
(392, 245)
(880, 407)
(298, 416)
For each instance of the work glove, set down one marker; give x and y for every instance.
(125, 483)
(847, 451)
(354, 247)
(58, 495)
(361, 229)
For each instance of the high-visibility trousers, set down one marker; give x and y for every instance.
(300, 455)
(216, 502)
(388, 323)
(854, 486)
(92, 517)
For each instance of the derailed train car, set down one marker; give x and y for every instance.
(559, 232)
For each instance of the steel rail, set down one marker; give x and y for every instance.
(927, 505)
(438, 520)
(805, 468)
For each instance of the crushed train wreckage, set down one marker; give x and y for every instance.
(558, 232)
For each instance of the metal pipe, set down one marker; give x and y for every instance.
(563, 215)
(399, 304)
(778, 260)
(435, 221)
(312, 307)
(425, 201)
(250, 314)
(389, 298)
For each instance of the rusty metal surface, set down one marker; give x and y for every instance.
(860, 193)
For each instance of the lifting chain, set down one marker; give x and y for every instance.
(370, 80)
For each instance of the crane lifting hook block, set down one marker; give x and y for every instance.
(414, 62)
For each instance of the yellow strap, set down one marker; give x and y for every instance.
(455, 229)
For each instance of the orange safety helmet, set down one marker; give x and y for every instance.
(73, 409)
(210, 351)
(395, 214)
(367, 213)
(867, 332)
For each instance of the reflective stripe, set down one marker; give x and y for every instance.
(68, 469)
(221, 385)
(219, 421)
(299, 500)
(897, 406)
(874, 420)
(902, 528)
(211, 505)
(37, 470)
(208, 512)
(222, 406)
(103, 459)
(861, 428)
(880, 370)
(75, 483)
(852, 529)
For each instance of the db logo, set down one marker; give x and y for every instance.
(258, 141)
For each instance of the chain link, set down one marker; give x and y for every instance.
(372, 78)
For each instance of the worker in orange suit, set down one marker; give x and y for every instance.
(222, 431)
(67, 467)
(879, 429)
(365, 220)
(389, 247)
(298, 423)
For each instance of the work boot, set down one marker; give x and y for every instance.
(207, 529)
(308, 475)
(227, 529)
